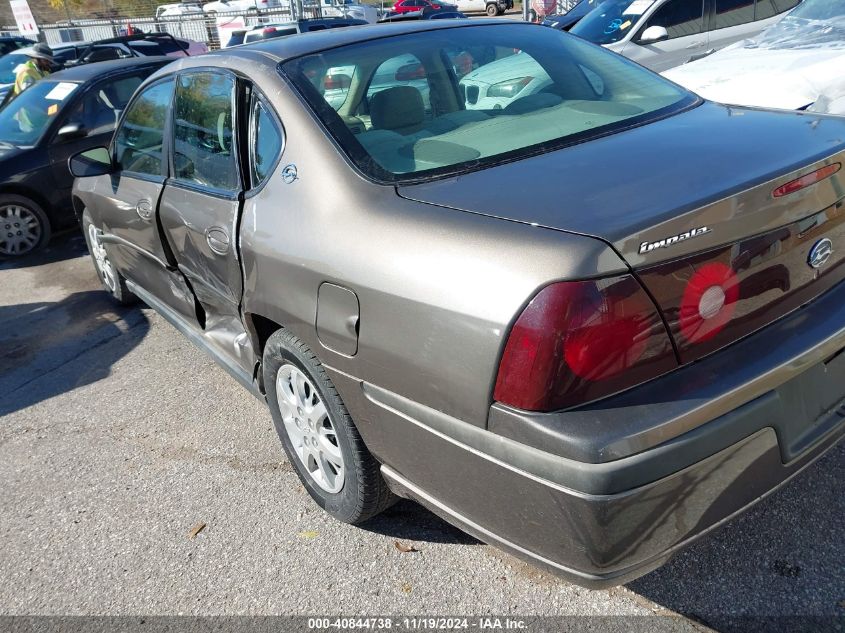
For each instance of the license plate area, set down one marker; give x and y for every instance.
(813, 404)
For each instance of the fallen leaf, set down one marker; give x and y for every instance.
(309, 534)
(405, 548)
(199, 527)
(406, 587)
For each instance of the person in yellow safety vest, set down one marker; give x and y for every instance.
(37, 67)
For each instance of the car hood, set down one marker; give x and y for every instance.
(638, 184)
(769, 78)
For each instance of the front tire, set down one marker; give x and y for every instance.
(318, 435)
(492, 10)
(113, 282)
(24, 227)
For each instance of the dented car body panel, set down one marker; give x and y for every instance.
(407, 295)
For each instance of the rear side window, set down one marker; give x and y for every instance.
(265, 143)
(138, 144)
(679, 17)
(203, 149)
(733, 13)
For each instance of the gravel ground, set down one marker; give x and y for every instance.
(118, 438)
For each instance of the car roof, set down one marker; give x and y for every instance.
(86, 72)
(284, 48)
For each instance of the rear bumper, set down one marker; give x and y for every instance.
(607, 493)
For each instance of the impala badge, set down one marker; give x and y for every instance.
(647, 247)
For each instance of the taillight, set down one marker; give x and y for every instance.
(805, 181)
(582, 340)
(268, 30)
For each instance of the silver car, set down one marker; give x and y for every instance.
(588, 326)
(661, 34)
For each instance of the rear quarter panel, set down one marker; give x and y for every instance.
(437, 288)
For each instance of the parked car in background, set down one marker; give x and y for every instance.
(445, 15)
(68, 111)
(565, 21)
(13, 43)
(406, 6)
(490, 7)
(143, 44)
(349, 9)
(662, 34)
(283, 29)
(178, 9)
(496, 84)
(590, 381)
(8, 66)
(424, 14)
(231, 6)
(236, 37)
(796, 64)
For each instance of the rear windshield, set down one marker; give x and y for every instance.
(425, 104)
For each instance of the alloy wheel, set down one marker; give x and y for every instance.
(101, 260)
(309, 428)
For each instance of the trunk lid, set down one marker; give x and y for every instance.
(712, 166)
(688, 202)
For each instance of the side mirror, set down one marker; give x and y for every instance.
(71, 131)
(654, 34)
(92, 162)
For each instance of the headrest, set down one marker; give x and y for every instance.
(397, 108)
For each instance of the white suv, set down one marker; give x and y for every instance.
(661, 34)
(231, 6)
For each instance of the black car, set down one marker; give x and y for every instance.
(566, 21)
(13, 43)
(65, 113)
(140, 45)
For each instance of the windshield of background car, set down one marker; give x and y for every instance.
(27, 116)
(8, 63)
(419, 105)
(611, 21)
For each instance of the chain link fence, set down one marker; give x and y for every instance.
(186, 21)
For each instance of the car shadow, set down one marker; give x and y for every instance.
(410, 521)
(42, 345)
(780, 566)
(62, 246)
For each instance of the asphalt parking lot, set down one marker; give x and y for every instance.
(118, 439)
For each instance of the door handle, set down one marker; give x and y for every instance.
(144, 209)
(695, 45)
(218, 240)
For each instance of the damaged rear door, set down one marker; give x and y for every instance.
(201, 202)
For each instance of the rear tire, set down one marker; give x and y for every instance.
(318, 435)
(113, 282)
(24, 227)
